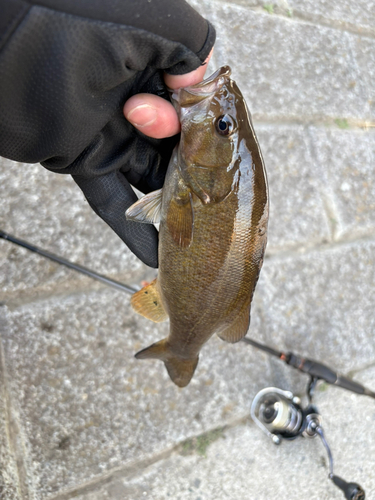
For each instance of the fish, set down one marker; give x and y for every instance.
(213, 215)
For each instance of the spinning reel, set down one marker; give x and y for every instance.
(280, 415)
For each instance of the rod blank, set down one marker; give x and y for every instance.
(313, 368)
(67, 263)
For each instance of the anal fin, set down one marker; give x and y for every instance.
(147, 302)
(238, 329)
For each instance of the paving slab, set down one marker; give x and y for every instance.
(71, 357)
(292, 69)
(295, 181)
(297, 214)
(9, 480)
(89, 407)
(358, 15)
(364, 58)
(67, 225)
(321, 304)
(301, 216)
(81, 418)
(243, 463)
(50, 211)
(345, 171)
(302, 163)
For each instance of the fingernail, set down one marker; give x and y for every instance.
(142, 116)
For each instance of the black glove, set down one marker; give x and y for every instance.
(66, 69)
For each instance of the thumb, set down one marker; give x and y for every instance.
(153, 115)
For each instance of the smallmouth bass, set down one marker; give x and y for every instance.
(213, 214)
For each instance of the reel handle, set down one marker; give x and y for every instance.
(352, 491)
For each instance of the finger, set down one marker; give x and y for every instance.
(152, 115)
(156, 117)
(196, 76)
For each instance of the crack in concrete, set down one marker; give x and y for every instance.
(318, 121)
(13, 431)
(326, 194)
(38, 294)
(300, 251)
(134, 469)
(296, 16)
(72, 286)
(340, 25)
(356, 371)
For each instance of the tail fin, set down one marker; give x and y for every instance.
(180, 370)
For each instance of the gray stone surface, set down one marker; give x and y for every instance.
(9, 480)
(292, 69)
(359, 16)
(81, 418)
(89, 406)
(50, 211)
(297, 213)
(237, 464)
(363, 54)
(344, 169)
(321, 304)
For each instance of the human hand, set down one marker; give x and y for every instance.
(155, 116)
(67, 71)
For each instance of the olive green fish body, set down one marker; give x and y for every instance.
(213, 227)
(216, 275)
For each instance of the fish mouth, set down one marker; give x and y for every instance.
(215, 78)
(207, 86)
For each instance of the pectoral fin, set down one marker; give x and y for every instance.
(147, 209)
(180, 370)
(180, 219)
(238, 329)
(147, 302)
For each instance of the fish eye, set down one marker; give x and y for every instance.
(224, 125)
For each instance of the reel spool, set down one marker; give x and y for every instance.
(279, 414)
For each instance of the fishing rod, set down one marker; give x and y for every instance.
(67, 263)
(316, 370)
(278, 413)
